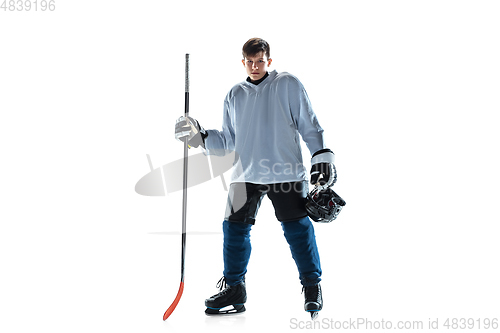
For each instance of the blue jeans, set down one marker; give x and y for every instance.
(299, 235)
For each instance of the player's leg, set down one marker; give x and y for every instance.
(236, 251)
(300, 236)
(243, 203)
(289, 204)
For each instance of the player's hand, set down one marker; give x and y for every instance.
(189, 129)
(323, 171)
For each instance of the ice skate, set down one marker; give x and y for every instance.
(230, 299)
(313, 300)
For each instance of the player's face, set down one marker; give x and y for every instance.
(256, 66)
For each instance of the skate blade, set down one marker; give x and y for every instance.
(228, 310)
(314, 314)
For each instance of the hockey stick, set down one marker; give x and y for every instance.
(184, 198)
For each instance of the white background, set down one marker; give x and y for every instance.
(406, 91)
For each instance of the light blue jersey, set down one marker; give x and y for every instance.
(262, 124)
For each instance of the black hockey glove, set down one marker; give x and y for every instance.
(323, 170)
(189, 129)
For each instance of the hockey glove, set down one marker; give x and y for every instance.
(323, 172)
(189, 129)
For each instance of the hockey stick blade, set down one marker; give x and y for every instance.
(174, 303)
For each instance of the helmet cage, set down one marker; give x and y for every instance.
(323, 205)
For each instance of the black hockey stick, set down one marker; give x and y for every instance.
(184, 198)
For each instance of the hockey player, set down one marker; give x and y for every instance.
(262, 120)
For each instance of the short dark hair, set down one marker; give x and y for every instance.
(256, 45)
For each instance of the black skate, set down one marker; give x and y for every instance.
(232, 298)
(313, 300)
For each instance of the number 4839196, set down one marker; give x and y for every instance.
(28, 5)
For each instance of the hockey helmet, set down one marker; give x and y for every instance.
(323, 205)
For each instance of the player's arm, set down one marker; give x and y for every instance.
(322, 162)
(220, 143)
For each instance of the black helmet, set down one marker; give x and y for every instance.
(323, 205)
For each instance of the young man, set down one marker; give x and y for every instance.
(262, 120)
